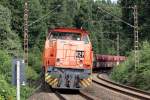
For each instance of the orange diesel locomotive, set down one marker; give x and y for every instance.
(67, 58)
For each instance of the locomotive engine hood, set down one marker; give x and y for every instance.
(70, 53)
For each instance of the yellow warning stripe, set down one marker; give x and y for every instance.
(46, 78)
(55, 83)
(82, 82)
(49, 80)
(89, 80)
(86, 82)
(51, 83)
(46, 74)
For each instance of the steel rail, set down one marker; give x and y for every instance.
(60, 95)
(130, 91)
(82, 94)
(87, 96)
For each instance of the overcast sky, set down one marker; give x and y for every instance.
(114, 0)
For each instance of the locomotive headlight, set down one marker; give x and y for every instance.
(81, 61)
(58, 60)
(81, 65)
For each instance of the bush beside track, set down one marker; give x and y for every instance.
(139, 77)
(7, 91)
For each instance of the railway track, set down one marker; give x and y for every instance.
(53, 94)
(77, 96)
(125, 90)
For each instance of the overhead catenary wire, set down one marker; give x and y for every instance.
(116, 17)
(116, 20)
(101, 20)
(128, 7)
(44, 16)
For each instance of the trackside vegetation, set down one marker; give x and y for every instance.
(8, 91)
(138, 77)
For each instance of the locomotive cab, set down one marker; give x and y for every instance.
(67, 58)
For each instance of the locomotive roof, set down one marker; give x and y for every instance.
(73, 30)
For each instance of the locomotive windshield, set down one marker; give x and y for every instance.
(65, 36)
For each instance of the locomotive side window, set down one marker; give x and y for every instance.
(86, 39)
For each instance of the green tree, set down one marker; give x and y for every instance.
(16, 7)
(6, 90)
(143, 20)
(9, 39)
(36, 30)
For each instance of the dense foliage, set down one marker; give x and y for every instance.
(143, 19)
(6, 90)
(128, 74)
(9, 39)
(10, 47)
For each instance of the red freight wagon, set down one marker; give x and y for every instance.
(107, 61)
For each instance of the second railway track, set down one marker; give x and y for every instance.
(125, 90)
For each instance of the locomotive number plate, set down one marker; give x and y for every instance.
(79, 54)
